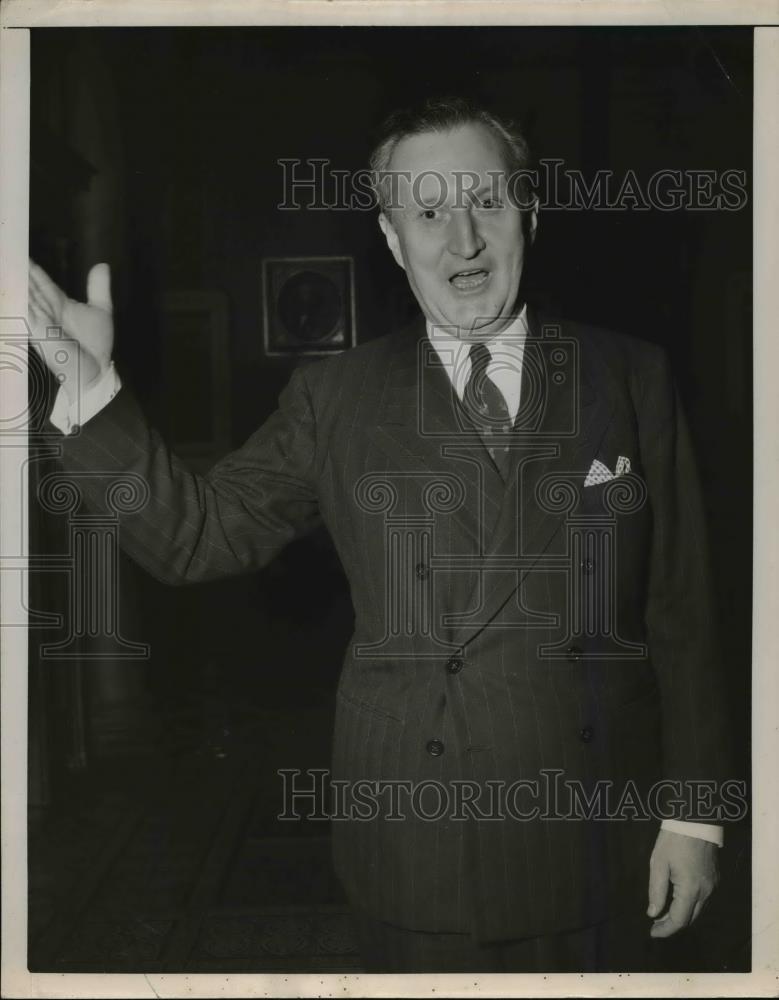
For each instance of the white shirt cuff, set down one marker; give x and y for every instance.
(68, 417)
(703, 831)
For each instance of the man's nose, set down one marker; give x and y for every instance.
(464, 238)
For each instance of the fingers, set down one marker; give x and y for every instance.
(37, 321)
(99, 287)
(54, 351)
(46, 289)
(697, 909)
(36, 303)
(659, 877)
(690, 865)
(704, 895)
(680, 914)
(36, 315)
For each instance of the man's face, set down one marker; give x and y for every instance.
(454, 230)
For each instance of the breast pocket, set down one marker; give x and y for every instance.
(619, 497)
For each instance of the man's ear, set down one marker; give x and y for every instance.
(392, 238)
(531, 222)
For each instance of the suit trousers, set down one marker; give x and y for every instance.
(621, 944)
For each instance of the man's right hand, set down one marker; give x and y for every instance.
(81, 351)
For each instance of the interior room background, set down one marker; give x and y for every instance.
(157, 150)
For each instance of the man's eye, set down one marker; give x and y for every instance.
(490, 203)
(429, 213)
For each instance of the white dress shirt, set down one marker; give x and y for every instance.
(505, 369)
(68, 417)
(506, 349)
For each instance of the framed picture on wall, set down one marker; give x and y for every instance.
(196, 373)
(308, 305)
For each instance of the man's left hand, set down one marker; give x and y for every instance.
(689, 865)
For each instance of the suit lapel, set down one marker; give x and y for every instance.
(562, 419)
(421, 428)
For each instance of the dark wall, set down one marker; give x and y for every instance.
(198, 120)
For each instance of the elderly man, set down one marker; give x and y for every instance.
(514, 501)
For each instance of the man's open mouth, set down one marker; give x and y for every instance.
(467, 281)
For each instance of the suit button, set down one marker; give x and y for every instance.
(587, 565)
(75, 428)
(435, 748)
(454, 665)
(422, 571)
(573, 653)
(586, 734)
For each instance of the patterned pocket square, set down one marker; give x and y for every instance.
(600, 473)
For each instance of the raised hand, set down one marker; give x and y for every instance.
(74, 339)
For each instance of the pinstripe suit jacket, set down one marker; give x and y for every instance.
(579, 617)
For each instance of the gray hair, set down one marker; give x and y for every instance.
(441, 115)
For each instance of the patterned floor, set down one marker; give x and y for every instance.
(186, 872)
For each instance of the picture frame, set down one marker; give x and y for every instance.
(308, 305)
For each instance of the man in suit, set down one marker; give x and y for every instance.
(515, 504)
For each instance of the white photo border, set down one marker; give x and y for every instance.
(16, 16)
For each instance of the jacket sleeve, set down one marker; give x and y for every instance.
(681, 616)
(183, 527)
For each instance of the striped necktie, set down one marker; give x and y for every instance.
(486, 406)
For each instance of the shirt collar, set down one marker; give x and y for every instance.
(511, 338)
(454, 353)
